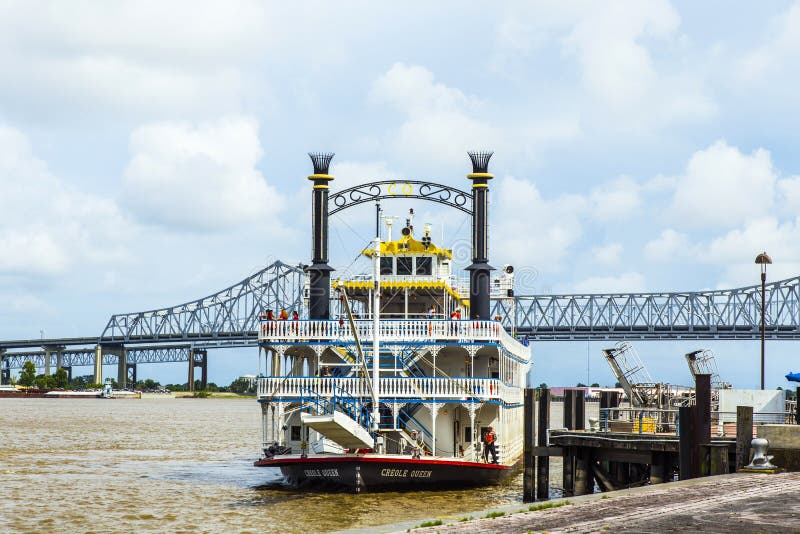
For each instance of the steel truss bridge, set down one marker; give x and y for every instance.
(229, 318)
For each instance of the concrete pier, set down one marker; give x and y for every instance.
(98, 364)
(122, 368)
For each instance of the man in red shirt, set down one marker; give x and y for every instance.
(489, 447)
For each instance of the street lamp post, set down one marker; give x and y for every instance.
(763, 259)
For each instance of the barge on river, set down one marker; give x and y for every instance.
(394, 382)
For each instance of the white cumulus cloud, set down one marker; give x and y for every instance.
(528, 229)
(47, 226)
(439, 121)
(199, 177)
(775, 58)
(618, 199)
(723, 187)
(607, 254)
(669, 246)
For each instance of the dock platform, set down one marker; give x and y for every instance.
(616, 460)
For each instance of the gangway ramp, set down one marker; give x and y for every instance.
(340, 428)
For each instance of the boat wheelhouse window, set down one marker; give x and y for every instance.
(424, 265)
(467, 434)
(404, 265)
(387, 265)
(295, 433)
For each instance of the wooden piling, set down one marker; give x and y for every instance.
(543, 462)
(685, 428)
(702, 412)
(744, 435)
(529, 462)
(579, 417)
(569, 471)
(569, 409)
(657, 465)
(582, 475)
(718, 460)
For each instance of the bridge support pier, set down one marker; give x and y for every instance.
(198, 358)
(59, 359)
(122, 369)
(98, 364)
(5, 372)
(68, 369)
(47, 354)
(130, 372)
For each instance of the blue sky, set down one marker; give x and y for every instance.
(151, 154)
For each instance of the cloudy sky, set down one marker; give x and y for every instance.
(151, 154)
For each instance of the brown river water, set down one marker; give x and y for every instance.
(177, 465)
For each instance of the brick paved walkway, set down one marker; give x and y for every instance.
(727, 504)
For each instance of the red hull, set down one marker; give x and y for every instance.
(384, 473)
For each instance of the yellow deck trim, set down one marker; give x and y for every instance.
(408, 246)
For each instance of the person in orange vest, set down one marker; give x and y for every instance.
(284, 315)
(489, 440)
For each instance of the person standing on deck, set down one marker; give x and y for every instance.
(489, 441)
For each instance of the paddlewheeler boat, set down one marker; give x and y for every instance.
(393, 383)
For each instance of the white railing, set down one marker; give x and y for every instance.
(392, 331)
(390, 388)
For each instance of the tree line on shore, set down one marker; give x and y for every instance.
(60, 380)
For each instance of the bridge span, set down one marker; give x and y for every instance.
(230, 318)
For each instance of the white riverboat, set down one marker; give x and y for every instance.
(392, 388)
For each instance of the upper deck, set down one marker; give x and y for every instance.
(420, 331)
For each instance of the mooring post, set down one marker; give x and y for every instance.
(702, 424)
(543, 462)
(579, 412)
(529, 462)
(744, 435)
(702, 390)
(569, 409)
(685, 429)
(797, 407)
